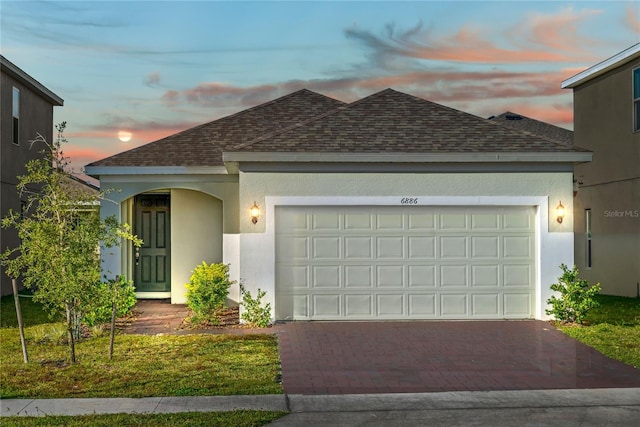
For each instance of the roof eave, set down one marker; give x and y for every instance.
(231, 158)
(98, 171)
(18, 74)
(603, 67)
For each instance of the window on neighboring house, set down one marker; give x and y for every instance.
(636, 100)
(587, 221)
(16, 115)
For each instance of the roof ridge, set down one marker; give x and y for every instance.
(310, 120)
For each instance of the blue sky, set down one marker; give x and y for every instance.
(154, 68)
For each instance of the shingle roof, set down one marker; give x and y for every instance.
(203, 145)
(536, 127)
(395, 122)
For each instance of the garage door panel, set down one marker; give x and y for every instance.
(326, 247)
(453, 221)
(453, 247)
(325, 276)
(422, 247)
(518, 222)
(485, 305)
(389, 276)
(453, 276)
(516, 305)
(485, 222)
(422, 305)
(326, 306)
(357, 221)
(358, 247)
(421, 276)
(297, 276)
(390, 247)
(485, 247)
(326, 220)
(423, 262)
(517, 247)
(518, 276)
(358, 305)
(485, 276)
(421, 221)
(453, 305)
(390, 305)
(358, 276)
(291, 221)
(293, 247)
(390, 221)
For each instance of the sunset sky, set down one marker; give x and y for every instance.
(153, 68)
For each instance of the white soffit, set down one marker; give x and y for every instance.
(602, 67)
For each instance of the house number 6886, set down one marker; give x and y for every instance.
(409, 201)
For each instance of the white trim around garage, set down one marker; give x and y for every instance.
(257, 258)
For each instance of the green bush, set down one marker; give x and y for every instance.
(101, 305)
(576, 297)
(255, 314)
(207, 291)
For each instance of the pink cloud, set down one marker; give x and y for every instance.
(438, 86)
(633, 18)
(539, 38)
(558, 31)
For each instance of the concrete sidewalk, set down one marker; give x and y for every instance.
(572, 407)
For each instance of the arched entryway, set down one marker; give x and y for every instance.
(180, 229)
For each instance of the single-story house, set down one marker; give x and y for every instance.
(390, 207)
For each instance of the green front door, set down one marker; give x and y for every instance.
(153, 258)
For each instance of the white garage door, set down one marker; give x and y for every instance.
(420, 262)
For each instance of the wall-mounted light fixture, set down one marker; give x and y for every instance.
(560, 213)
(255, 213)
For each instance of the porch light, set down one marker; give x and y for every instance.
(560, 213)
(255, 213)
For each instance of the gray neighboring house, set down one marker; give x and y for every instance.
(26, 109)
(606, 104)
(390, 207)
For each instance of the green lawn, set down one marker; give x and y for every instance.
(614, 329)
(32, 313)
(165, 365)
(189, 419)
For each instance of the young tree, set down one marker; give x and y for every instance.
(60, 231)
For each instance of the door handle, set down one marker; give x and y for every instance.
(137, 256)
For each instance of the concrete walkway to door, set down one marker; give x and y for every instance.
(437, 356)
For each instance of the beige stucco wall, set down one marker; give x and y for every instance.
(610, 184)
(556, 185)
(196, 236)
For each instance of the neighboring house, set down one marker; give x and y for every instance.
(606, 103)
(536, 127)
(391, 207)
(26, 110)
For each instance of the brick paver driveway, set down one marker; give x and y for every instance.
(432, 356)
